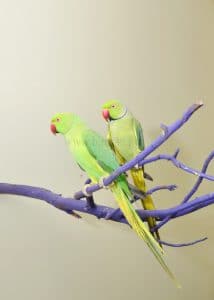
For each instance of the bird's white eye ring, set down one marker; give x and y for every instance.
(113, 106)
(57, 119)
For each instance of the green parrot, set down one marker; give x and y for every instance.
(93, 154)
(125, 136)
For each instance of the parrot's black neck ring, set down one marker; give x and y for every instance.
(123, 115)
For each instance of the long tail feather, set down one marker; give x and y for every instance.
(139, 227)
(148, 204)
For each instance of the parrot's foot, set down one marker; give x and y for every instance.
(84, 190)
(90, 202)
(137, 167)
(164, 129)
(102, 184)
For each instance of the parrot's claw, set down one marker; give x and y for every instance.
(84, 190)
(90, 203)
(101, 183)
(164, 129)
(137, 167)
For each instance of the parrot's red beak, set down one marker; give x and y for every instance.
(105, 114)
(53, 129)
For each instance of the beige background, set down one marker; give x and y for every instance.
(156, 56)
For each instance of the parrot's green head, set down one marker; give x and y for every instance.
(113, 110)
(62, 122)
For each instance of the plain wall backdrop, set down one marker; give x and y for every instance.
(158, 58)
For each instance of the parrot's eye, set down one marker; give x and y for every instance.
(113, 106)
(57, 119)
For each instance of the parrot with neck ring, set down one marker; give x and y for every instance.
(125, 136)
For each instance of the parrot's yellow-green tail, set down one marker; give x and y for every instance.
(138, 226)
(148, 204)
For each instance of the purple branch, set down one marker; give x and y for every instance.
(176, 163)
(192, 191)
(170, 188)
(200, 179)
(182, 209)
(69, 204)
(101, 211)
(183, 244)
(136, 193)
(161, 223)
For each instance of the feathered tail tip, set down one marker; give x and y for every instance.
(139, 227)
(174, 279)
(177, 284)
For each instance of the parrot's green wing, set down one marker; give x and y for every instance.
(119, 157)
(139, 134)
(98, 148)
(110, 141)
(141, 145)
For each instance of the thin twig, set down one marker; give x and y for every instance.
(192, 191)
